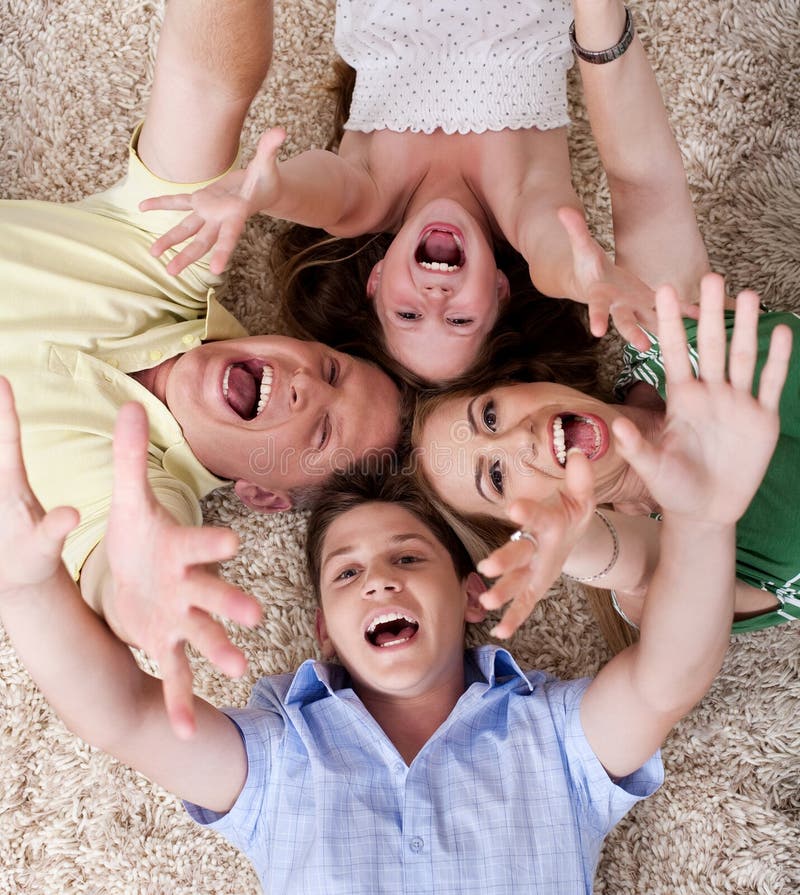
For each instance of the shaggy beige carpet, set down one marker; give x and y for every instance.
(73, 78)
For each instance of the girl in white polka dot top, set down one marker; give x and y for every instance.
(456, 145)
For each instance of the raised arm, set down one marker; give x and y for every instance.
(714, 452)
(87, 675)
(655, 230)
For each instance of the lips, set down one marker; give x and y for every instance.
(586, 432)
(247, 387)
(441, 248)
(391, 629)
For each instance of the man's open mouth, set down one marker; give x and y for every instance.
(247, 387)
(440, 249)
(572, 430)
(391, 629)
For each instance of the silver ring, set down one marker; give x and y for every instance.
(520, 533)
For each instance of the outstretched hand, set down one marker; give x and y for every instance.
(219, 211)
(608, 289)
(718, 439)
(30, 539)
(166, 588)
(525, 570)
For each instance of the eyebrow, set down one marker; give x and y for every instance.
(394, 541)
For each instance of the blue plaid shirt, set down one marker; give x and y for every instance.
(506, 796)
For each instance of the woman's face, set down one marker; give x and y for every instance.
(482, 453)
(438, 291)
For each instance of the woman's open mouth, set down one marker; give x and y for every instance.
(586, 432)
(247, 387)
(441, 248)
(391, 629)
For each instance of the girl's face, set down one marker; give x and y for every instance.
(482, 453)
(438, 291)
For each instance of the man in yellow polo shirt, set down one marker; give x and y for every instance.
(89, 319)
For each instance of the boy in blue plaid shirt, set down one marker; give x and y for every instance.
(412, 766)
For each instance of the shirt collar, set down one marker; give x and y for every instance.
(489, 664)
(493, 664)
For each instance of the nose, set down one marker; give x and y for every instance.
(380, 582)
(518, 442)
(306, 389)
(437, 290)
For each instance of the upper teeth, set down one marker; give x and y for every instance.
(266, 389)
(559, 445)
(559, 442)
(439, 265)
(388, 617)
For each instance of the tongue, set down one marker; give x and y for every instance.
(387, 636)
(242, 392)
(579, 434)
(441, 246)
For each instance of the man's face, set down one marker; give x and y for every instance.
(279, 412)
(392, 606)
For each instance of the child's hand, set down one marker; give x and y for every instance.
(718, 439)
(607, 289)
(30, 539)
(527, 570)
(220, 210)
(166, 588)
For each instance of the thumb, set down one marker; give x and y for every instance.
(58, 523)
(131, 439)
(634, 449)
(580, 239)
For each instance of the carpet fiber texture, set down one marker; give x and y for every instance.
(73, 78)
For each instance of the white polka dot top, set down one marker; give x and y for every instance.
(471, 65)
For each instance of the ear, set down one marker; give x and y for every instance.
(503, 288)
(324, 641)
(261, 500)
(475, 586)
(374, 280)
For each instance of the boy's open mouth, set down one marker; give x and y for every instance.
(572, 430)
(247, 387)
(391, 629)
(441, 249)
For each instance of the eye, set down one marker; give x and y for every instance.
(496, 477)
(333, 372)
(460, 321)
(326, 432)
(346, 574)
(489, 416)
(408, 559)
(409, 315)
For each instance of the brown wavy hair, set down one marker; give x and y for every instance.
(322, 283)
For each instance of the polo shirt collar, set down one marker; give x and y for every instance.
(493, 665)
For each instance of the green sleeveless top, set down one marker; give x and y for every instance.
(768, 535)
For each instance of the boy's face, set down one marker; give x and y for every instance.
(280, 413)
(392, 606)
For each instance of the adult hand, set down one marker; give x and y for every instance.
(718, 439)
(219, 211)
(526, 570)
(166, 589)
(608, 289)
(30, 539)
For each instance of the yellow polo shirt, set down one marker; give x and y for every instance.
(83, 303)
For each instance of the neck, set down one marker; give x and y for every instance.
(409, 722)
(155, 379)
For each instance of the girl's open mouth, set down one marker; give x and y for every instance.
(586, 432)
(441, 248)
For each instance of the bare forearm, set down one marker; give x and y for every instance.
(623, 99)
(87, 675)
(687, 615)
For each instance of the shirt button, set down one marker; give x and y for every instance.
(155, 355)
(416, 844)
(188, 339)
